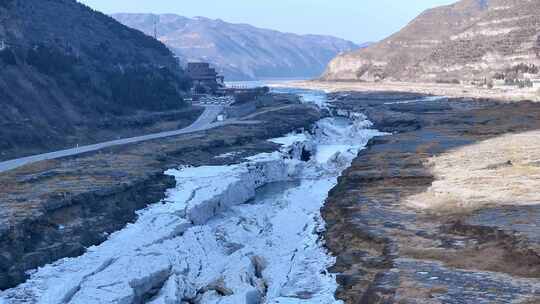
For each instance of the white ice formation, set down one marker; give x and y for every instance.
(246, 233)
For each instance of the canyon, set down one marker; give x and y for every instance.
(57, 208)
(246, 220)
(404, 175)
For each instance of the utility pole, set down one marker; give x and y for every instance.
(155, 26)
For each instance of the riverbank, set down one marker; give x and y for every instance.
(396, 244)
(57, 208)
(450, 90)
(246, 232)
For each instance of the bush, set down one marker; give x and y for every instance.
(448, 81)
(80, 77)
(50, 60)
(6, 3)
(8, 57)
(146, 88)
(510, 81)
(523, 68)
(499, 76)
(527, 83)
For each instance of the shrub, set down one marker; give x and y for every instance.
(527, 83)
(523, 68)
(153, 89)
(499, 76)
(8, 57)
(50, 60)
(448, 81)
(6, 3)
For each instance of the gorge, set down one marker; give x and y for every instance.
(406, 174)
(243, 233)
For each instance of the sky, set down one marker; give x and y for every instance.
(355, 20)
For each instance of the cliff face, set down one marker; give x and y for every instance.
(241, 51)
(471, 39)
(66, 69)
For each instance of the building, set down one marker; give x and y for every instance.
(205, 79)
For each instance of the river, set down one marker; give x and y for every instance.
(245, 233)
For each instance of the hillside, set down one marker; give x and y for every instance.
(77, 79)
(467, 41)
(241, 51)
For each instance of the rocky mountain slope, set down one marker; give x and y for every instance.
(466, 41)
(241, 51)
(63, 80)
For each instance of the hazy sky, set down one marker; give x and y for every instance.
(356, 20)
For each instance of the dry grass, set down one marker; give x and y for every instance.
(410, 290)
(534, 300)
(501, 171)
(487, 257)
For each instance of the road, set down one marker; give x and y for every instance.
(204, 122)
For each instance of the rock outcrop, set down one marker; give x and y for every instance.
(469, 41)
(241, 51)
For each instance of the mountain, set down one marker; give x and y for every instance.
(466, 41)
(365, 45)
(241, 51)
(66, 71)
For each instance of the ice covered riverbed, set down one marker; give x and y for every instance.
(246, 233)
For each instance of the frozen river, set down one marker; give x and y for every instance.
(245, 233)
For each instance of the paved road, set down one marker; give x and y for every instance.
(204, 122)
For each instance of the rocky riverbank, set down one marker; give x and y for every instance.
(58, 208)
(389, 250)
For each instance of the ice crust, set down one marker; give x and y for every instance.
(246, 233)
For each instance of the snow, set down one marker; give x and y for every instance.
(290, 139)
(423, 99)
(314, 97)
(326, 152)
(229, 154)
(245, 233)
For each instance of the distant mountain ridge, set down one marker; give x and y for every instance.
(465, 41)
(241, 51)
